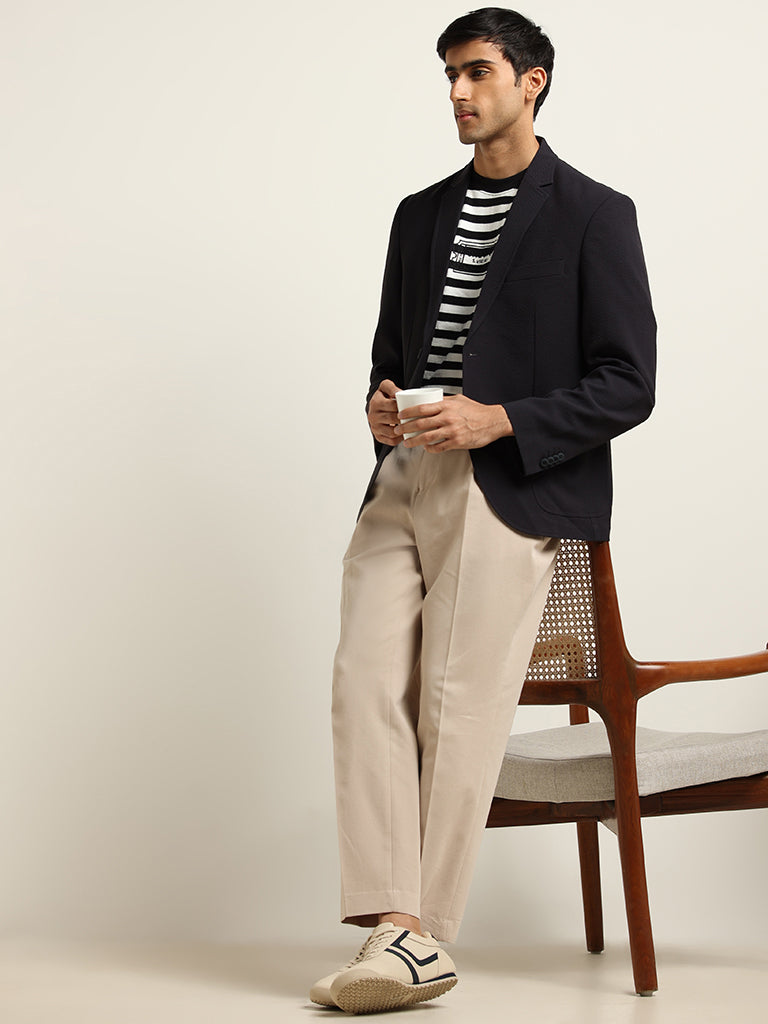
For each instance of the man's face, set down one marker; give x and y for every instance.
(487, 103)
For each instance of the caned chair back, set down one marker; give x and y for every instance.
(566, 645)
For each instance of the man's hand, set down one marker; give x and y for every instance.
(457, 422)
(382, 413)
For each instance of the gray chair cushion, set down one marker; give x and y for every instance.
(574, 762)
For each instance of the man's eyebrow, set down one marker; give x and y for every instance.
(469, 64)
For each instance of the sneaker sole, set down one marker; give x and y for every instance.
(322, 1002)
(368, 995)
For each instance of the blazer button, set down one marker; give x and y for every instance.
(544, 463)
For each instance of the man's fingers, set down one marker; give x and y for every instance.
(419, 417)
(384, 418)
(380, 404)
(429, 439)
(387, 437)
(388, 388)
(419, 411)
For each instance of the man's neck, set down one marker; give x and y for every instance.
(504, 157)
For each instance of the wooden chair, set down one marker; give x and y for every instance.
(588, 772)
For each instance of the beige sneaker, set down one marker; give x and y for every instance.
(321, 990)
(398, 968)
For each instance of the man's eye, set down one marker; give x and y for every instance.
(479, 71)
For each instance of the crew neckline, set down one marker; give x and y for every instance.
(496, 184)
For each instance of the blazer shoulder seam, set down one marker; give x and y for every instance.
(435, 188)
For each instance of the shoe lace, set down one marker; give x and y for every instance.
(372, 946)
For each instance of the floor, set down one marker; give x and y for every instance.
(68, 983)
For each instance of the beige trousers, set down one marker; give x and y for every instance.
(441, 603)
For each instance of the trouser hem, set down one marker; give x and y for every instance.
(443, 929)
(363, 908)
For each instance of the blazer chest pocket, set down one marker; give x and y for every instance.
(527, 271)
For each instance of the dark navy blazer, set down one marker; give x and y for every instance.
(564, 337)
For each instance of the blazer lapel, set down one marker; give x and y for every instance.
(532, 194)
(443, 233)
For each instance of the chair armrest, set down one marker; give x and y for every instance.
(653, 675)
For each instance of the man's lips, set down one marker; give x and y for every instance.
(464, 115)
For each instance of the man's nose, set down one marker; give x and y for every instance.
(459, 89)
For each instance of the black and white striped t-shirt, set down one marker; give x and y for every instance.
(482, 217)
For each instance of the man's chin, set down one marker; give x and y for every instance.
(466, 139)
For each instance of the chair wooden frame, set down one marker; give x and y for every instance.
(614, 693)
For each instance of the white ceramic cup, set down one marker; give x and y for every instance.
(417, 396)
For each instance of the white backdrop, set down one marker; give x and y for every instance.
(197, 198)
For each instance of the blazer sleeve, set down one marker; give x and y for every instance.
(387, 354)
(617, 335)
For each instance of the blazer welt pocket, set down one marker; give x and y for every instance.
(549, 268)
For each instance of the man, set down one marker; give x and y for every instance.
(519, 286)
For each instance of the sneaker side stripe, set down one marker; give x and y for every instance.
(406, 961)
(422, 963)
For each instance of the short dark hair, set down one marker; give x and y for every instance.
(523, 44)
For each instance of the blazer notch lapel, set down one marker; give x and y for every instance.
(443, 233)
(532, 195)
(524, 210)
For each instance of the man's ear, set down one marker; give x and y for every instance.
(533, 82)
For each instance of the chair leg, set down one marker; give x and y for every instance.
(589, 860)
(636, 893)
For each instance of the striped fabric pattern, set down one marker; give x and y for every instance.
(486, 205)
